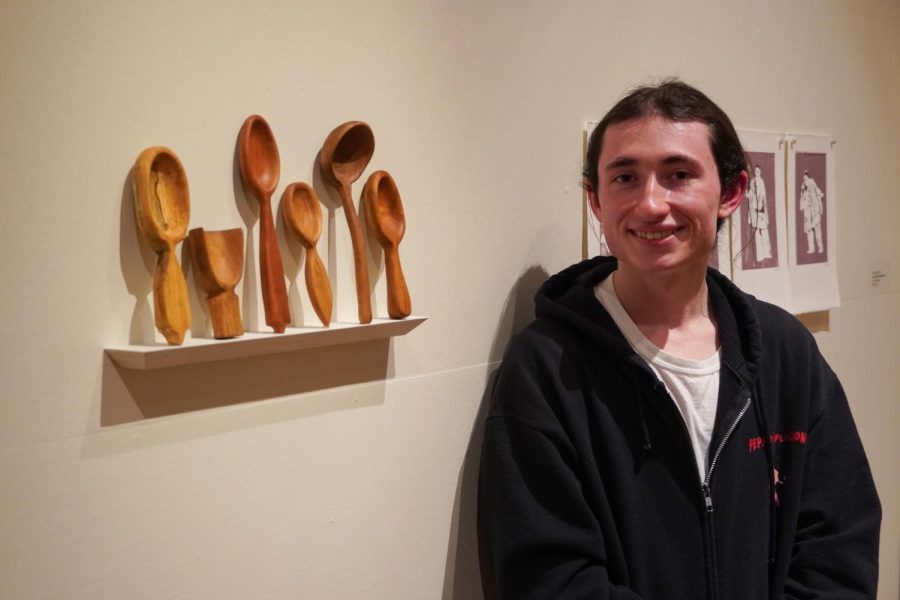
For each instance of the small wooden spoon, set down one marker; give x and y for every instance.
(343, 158)
(303, 214)
(218, 260)
(162, 209)
(385, 217)
(260, 168)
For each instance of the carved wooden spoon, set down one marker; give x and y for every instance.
(162, 209)
(385, 217)
(303, 214)
(343, 158)
(260, 169)
(218, 261)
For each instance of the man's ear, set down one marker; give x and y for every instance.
(733, 197)
(593, 201)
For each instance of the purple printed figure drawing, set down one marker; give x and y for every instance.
(811, 220)
(812, 208)
(758, 215)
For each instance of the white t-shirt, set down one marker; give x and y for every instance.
(693, 384)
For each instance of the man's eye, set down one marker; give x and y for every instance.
(682, 174)
(623, 178)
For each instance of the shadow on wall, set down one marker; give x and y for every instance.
(129, 395)
(463, 575)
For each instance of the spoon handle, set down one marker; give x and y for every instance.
(225, 314)
(318, 286)
(399, 304)
(274, 290)
(363, 299)
(170, 299)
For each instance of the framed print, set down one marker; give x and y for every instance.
(812, 223)
(759, 226)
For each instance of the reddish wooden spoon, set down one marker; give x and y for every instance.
(343, 158)
(260, 170)
(387, 221)
(303, 214)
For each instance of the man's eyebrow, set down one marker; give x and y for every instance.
(680, 158)
(628, 161)
(621, 161)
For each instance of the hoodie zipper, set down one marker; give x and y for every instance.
(707, 499)
(712, 464)
(705, 485)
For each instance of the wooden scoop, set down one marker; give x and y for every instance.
(303, 214)
(343, 158)
(260, 169)
(162, 209)
(218, 259)
(387, 222)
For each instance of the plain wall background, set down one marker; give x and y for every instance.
(350, 472)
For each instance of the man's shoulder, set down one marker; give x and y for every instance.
(782, 328)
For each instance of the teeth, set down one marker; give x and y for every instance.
(652, 235)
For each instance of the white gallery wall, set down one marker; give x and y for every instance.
(349, 471)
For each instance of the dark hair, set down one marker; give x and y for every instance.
(676, 101)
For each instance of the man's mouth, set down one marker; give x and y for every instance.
(654, 235)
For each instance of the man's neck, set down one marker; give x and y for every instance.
(672, 310)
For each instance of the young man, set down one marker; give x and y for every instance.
(656, 433)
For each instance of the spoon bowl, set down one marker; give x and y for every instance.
(344, 156)
(387, 222)
(302, 212)
(384, 209)
(303, 215)
(346, 152)
(259, 160)
(162, 199)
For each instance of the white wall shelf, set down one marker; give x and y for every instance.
(199, 350)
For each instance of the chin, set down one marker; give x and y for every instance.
(663, 264)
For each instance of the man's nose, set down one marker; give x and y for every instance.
(653, 201)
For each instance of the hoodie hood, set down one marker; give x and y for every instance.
(569, 297)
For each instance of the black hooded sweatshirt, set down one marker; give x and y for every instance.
(588, 486)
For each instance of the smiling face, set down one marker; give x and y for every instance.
(658, 194)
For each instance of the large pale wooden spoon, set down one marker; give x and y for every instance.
(218, 261)
(343, 158)
(162, 209)
(303, 214)
(387, 222)
(260, 170)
